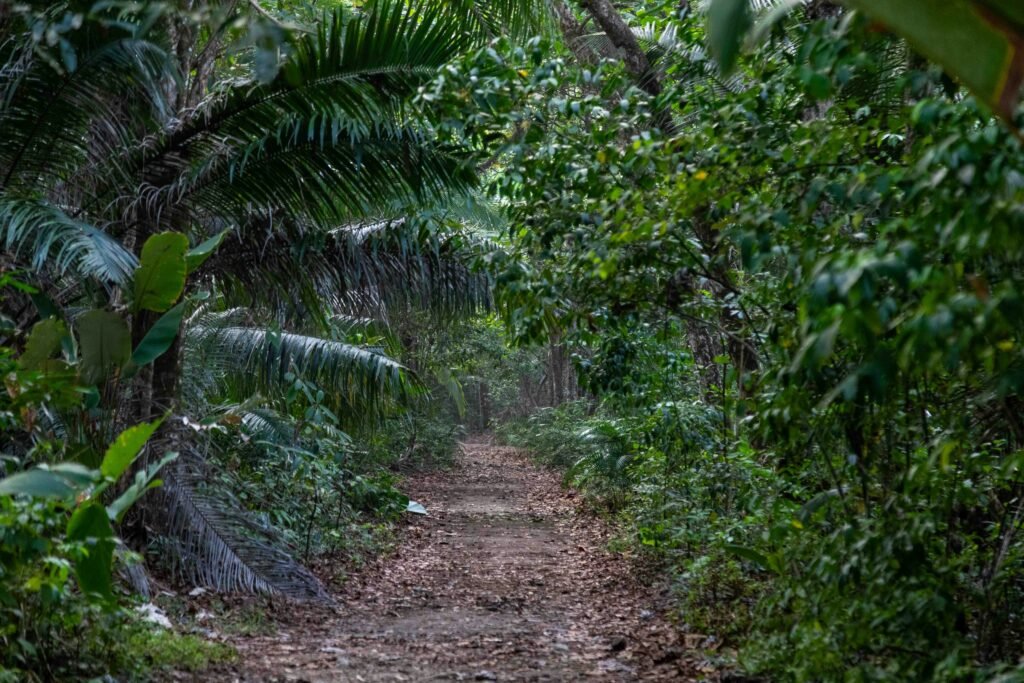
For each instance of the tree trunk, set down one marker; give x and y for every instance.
(573, 33)
(634, 57)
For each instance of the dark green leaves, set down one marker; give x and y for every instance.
(43, 343)
(38, 482)
(145, 479)
(728, 22)
(197, 255)
(980, 43)
(748, 554)
(160, 279)
(56, 481)
(91, 524)
(160, 337)
(105, 344)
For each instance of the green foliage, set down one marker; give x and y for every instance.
(53, 626)
(147, 648)
(57, 542)
(42, 344)
(159, 337)
(799, 314)
(160, 278)
(728, 21)
(90, 525)
(977, 42)
(791, 299)
(105, 343)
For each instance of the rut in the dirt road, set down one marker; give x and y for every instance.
(504, 580)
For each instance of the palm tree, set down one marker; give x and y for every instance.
(299, 185)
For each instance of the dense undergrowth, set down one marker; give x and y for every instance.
(756, 559)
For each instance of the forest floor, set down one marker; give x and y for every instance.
(506, 579)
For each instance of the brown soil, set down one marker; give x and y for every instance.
(506, 579)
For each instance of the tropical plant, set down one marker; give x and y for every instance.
(58, 546)
(284, 172)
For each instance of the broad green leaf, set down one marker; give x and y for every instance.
(197, 255)
(160, 278)
(144, 480)
(728, 22)
(979, 43)
(43, 343)
(122, 453)
(37, 482)
(1010, 9)
(78, 474)
(45, 305)
(105, 344)
(816, 503)
(90, 523)
(160, 336)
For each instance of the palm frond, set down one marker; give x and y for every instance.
(362, 68)
(667, 49)
(268, 425)
(45, 237)
(332, 138)
(218, 546)
(47, 110)
(325, 171)
(514, 19)
(358, 379)
(363, 269)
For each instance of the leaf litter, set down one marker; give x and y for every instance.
(508, 578)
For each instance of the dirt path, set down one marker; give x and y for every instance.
(504, 580)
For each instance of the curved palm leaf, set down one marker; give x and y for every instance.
(218, 546)
(362, 269)
(43, 235)
(515, 19)
(325, 171)
(252, 359)
(361, 69)
(46, 111)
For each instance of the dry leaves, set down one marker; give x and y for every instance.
(506, 579)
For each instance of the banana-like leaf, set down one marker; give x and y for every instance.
(105, 343)
(122, 453)
(39, 482)
(160, 337)
(728, 22)
(90, 523)
(145, 479)
(160, 279)
(197, 255)
(43, 343)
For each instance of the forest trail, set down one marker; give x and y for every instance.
(505, 579)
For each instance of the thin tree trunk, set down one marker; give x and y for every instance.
(634, 57)
(573, 33)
